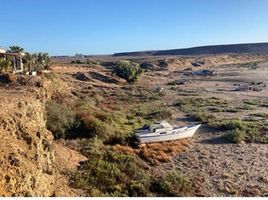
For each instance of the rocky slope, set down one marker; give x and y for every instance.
(28, 165)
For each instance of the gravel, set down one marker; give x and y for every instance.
(218, 168)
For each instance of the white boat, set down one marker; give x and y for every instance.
(163, 131)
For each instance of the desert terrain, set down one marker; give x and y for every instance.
(226, 157)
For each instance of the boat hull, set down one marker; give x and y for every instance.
(172, 135)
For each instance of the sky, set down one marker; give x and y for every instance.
(65, 27)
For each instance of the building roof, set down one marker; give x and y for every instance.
(2, 50)
(19, 54)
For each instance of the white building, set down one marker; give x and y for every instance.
(17, 59)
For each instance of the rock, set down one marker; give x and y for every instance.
(226, 175)
(251, 192)
(263, 179)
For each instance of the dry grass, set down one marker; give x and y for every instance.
(156, 153)
(124, 149)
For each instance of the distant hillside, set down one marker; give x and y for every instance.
(204, 50)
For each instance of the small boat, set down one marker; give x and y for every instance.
(163, 131)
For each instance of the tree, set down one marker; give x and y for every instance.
(4, 64)
(46, 60)
(15, 49)
(29, 60)
(127, 70)
(42, 60)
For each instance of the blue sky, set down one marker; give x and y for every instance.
(64, 27)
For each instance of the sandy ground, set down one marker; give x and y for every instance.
(218, 168)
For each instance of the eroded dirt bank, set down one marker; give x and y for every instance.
(28, 162)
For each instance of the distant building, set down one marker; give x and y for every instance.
(79, 55)
(17, 59)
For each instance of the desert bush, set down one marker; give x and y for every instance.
(160, 115)
(173, 184)
(201, 116)
(98, 120)
(147, 66)
(232, 110)
(215, 109)
(60, 119)
(234, 124)
(260, 114)
(50, 76)
(264, 104)
(245, 107)
(92, 127)
(127, 70)
(238, 131)
(235, 135)
(162, 64)
(250, 102)
(112, 174)
(196, 104)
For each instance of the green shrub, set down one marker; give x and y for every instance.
(260, 114)
(232, 110)
(173, 184)
(264, 104)
(112, 174)
(160, 115)
(60, 119)
(245, 107)
(250, 102)
(238, 131)
(234, 124)
(201, 116)
(215, 110)
(235, 135)
(91, 127)
(127, 70)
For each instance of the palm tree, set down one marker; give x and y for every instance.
(42, 60)
(30, 60)
(15, 49)
(46, 60)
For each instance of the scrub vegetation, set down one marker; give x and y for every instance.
(116, 167)
(236, 130)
